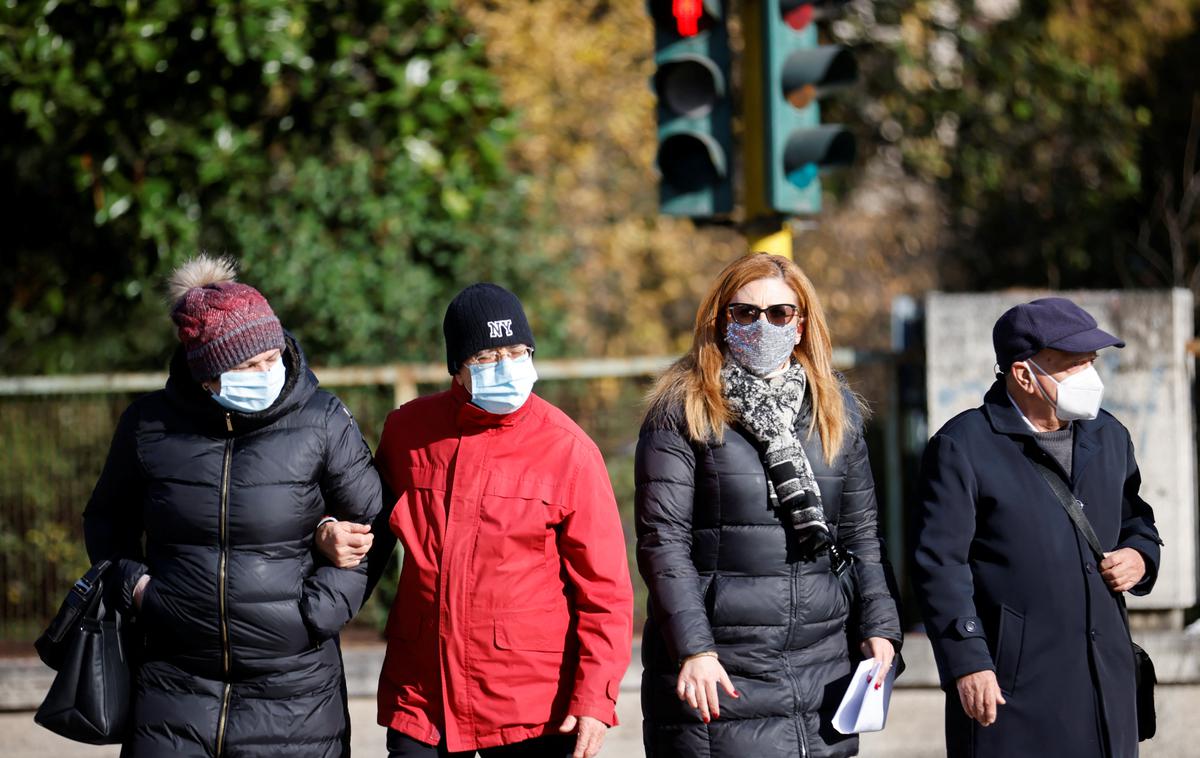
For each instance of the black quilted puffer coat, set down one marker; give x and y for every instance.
(240, 617)
(724, 575)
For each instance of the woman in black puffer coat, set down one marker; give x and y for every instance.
(748, 647)
(224, 475)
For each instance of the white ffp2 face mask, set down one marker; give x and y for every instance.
(1079, 395)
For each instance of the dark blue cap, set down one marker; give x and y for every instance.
(1049, 322)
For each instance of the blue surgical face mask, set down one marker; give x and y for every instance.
(503, 386)
(251, 391)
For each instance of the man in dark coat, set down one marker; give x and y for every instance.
(1027, 626)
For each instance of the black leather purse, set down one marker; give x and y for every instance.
(1143, 667)
(89, 699)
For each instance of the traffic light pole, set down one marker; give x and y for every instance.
(769, 235)
(765, 230)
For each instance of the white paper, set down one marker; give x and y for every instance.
(864, 708)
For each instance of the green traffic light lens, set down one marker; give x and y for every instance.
(803, 176)
(808, 151)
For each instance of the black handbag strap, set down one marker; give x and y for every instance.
(1071, 505)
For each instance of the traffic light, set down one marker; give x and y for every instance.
(797, 71)
(695, 118)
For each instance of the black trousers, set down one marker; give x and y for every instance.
(400, 745)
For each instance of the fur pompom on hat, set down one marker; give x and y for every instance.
(221, 321)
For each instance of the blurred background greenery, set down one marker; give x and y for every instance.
(364, 159)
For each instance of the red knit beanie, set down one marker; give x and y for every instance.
(221, 322)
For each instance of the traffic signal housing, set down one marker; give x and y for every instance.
(797, 71)
(695, 115)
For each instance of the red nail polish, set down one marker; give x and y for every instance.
(878, 685)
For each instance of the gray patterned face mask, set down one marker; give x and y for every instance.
(760, 347)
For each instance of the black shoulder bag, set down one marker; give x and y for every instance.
(89, 699)
(1143, 667)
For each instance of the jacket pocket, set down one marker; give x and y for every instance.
(516, 519)
(539, 629)
(428, 478)
(1009, 638)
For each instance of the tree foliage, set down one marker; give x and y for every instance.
(577, 75)
(352, 155)
(1030, 118)
(364, 159)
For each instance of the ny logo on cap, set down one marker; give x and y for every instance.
(501, 328)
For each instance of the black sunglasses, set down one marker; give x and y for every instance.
(779, 315)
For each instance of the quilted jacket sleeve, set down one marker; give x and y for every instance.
(859, 532)
(664, 471)
(112, 520)
(350, 486)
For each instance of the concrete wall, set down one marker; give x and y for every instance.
(1148, 386)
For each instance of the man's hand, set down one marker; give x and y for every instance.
(697, 685)
(883, 651)
(344, 543)
(590, 735)
(1122, 569)
(980, 696)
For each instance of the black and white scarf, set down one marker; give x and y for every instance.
(768, 409)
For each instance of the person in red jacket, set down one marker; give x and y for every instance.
(512, 622)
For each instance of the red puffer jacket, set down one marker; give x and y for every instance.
(514, 607)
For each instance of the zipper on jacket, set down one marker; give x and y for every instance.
(793, 613)
(222, 577)
(797, 714)
(793, 601)
(222, 722)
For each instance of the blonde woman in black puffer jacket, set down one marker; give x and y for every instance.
(752, 482)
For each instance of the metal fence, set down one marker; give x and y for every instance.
(55, 432)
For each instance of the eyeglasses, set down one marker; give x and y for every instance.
(512, 352)
(779, 315)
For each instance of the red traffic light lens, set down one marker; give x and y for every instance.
(798, 16)
(687, 15)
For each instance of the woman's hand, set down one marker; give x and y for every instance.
(883, 651)
(697, 685)
(344, 543)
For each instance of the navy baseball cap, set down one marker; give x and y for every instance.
(1049, 322)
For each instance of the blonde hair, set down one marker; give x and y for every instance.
(694, 381)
